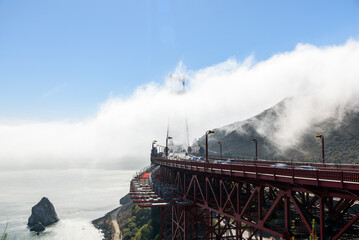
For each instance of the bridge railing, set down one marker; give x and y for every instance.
(289, 163)
(331, 177)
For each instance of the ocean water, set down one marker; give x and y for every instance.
(79, 196)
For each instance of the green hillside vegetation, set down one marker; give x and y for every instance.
(141, 224)
(341, 139)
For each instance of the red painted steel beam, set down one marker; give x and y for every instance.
(247, 204)
(343, 195)
(208, 183)
(273, 207)
(189, 188)
(349, 224)
(226, 206)
(242, 220)
(200, 189)
(300, 213)
(221, 212)
(286, 215)
(322, 217)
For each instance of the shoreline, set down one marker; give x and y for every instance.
(106, 225)
(110, 223)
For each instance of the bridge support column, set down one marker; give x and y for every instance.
(286, 217)
(322, 217)
(165, 223)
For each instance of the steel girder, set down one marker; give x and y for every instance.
(193, 222)
(250, 209)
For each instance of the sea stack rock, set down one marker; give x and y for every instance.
(37, 228)
(42, 213)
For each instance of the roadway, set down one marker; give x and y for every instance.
(319, 175)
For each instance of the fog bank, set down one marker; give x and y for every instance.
(324, 82)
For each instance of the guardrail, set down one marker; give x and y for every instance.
(321, 177)
(290, 163)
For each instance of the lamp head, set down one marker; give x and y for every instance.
(319, 136)
(253, 140)
(210, 132)
(169, 137)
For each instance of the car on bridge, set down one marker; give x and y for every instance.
(305, 167)
(229, 161)
(218, 161)
(280, 165)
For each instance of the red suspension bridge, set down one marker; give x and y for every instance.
(247, 199)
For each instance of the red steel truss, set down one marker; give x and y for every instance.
(251, 201)
(192, 222)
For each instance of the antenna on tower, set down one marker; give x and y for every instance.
(178, 85)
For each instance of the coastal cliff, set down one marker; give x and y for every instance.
(106, 223)
(134, 222)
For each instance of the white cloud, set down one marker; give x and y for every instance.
(121, 134)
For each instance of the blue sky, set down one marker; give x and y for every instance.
(61, 59)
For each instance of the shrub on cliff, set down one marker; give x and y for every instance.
(142, 224)
(145, 233)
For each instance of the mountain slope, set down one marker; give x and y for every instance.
(341, 132)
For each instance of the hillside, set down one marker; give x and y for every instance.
(134, 222)
(341, 134)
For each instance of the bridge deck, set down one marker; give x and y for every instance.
(280, 200)
(329, 177)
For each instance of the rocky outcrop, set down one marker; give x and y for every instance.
(105, 225)
(37, 228)
(42, 213)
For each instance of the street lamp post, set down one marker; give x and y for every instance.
(208, 132)
(255, 141)
(166, 148)
(321, 137)
(220, 149)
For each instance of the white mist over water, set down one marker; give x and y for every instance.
(79, 196)
(321, 80)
